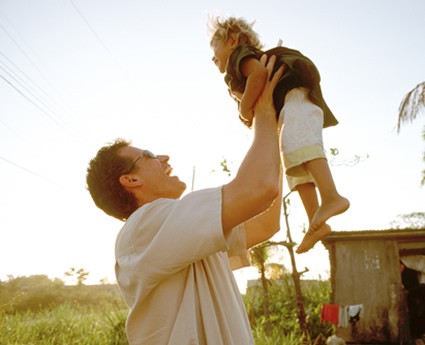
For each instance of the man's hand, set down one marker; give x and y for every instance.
(265, 102)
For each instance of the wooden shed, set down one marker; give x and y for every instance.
(365, 269)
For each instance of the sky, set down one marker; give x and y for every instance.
(77, 74)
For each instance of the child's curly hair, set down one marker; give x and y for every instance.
(221, 29)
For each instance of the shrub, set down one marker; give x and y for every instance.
(284, 325)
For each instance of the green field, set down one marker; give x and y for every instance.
(64, 324)
(36, 310)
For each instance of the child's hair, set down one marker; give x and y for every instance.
(221, 29)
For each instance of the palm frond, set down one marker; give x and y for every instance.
(411, 105)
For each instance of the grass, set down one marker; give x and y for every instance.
(37, 311)
(68, 324)
(63, 325)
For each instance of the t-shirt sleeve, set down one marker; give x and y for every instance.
(182, 232)
(238, 253)
(244, 53)
(234, 78)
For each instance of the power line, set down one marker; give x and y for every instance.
(91, 28)
(13, 130)
(20, 167)
(102, 43)
(25, 54)
(33, 103)
(24, 86)
(28, 171)
(30, 83)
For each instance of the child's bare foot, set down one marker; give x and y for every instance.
(312, 237)
(327, 210)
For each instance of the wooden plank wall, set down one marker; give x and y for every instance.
(373, 280)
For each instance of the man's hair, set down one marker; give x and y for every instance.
(103, 174)
(221, 29)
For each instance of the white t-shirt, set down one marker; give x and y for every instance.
(172, 266)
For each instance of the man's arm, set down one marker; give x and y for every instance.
(256, 184)
(266, 224)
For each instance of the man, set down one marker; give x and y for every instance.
(174, 255)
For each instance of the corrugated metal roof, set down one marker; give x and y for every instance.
(397, 234)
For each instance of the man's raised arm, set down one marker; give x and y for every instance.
(256, 184)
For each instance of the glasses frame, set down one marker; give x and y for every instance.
(145, 154)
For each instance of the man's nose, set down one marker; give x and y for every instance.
(163, 158)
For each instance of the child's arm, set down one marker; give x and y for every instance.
(256, 74)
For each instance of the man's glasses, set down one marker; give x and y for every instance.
(145, 154)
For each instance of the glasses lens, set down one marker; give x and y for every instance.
(146, 154)
(149, 154)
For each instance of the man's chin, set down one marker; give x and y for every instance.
(184, 186)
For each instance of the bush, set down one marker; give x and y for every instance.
(284, 325)
(38, 293)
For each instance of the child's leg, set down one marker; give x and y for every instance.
(332, 203)
(301, 141)
(303, 151)
(308, 195)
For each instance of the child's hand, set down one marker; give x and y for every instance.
(237, 95)
(247, 114)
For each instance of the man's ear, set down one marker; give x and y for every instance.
(130, 181)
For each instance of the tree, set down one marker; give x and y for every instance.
(412, 105)
(259, 255)
(80, 275)
(289, 244)
(269, 272)
(414, 220)
(30, 293)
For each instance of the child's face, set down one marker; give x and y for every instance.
(222, 50)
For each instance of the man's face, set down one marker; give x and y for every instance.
(154, 172)
(222, 50)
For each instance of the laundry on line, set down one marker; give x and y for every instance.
(341, 315)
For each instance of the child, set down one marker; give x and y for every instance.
(302, 114)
